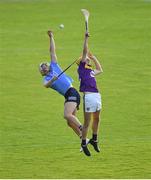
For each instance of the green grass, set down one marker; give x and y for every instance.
(35, 141)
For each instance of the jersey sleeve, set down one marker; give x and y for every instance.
(56, 67)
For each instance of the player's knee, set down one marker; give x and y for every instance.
(67, 117)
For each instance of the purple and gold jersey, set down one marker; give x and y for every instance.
(87, 78)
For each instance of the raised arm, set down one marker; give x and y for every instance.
(85, 47)
(98, 68)
(52, 49)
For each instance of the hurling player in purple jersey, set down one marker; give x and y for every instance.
(63, 85)
(91, 96)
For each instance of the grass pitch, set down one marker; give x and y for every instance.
(34, 139)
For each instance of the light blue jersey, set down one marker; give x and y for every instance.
(63, 83)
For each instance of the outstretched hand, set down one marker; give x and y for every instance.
(50, 34)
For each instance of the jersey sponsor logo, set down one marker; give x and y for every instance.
(72, 98)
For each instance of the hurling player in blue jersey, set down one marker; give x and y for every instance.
(63, 85)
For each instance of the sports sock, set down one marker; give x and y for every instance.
(94, 137)
(80, 127)
(83, 141)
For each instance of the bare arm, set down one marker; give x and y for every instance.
(49, 83)
(98, 68)
(52, 47)
(85, 47)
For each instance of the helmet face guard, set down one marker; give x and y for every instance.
(44, 68)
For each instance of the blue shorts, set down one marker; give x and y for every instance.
(72, 95)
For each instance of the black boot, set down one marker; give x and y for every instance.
(85, 150)
(95, 145)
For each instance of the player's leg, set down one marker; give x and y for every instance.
(95, 128)
(96, 121)
(77, 120)
(72, 120)
(87, 119)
